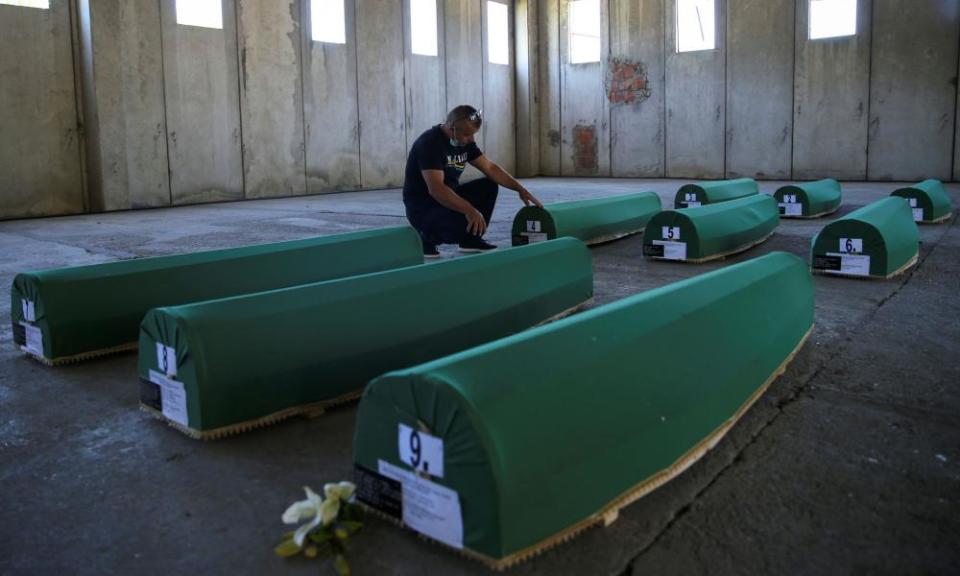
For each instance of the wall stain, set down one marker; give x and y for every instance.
(626, 83)
(554, 136)
(585, 149)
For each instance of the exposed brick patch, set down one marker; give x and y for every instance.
(626, 82)
(585, 148)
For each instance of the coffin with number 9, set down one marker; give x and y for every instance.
(506, 449)
(593, 221)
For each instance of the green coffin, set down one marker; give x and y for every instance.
(693, 195)
(520, 443)
(810, 199)
(929, 202)
(593, 221)
(713, 231)
(67, 314)
(879, 240)
(251, 360)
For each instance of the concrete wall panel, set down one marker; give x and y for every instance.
(635, 88)
(425, 81)
(914, 61)
(203, 108)
(830, 101)
(696, 102)
(760, 88)
(549, 81)
(499, 114)
(463, 46)
(39, 140)
(271, 98)
(381, 49)
(527, 72)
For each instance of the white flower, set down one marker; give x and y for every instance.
(312, 507)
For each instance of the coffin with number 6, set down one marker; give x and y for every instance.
(710, 232)
(701, 193)
(593, 221)
(224, 366)
(69, 314)
(506, 449)
(929, 202)
(809, 199)
(879, 240)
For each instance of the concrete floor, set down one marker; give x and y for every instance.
(849, 464)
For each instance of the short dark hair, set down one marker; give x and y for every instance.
(465, 112)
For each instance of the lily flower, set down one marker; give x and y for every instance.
(312, 507)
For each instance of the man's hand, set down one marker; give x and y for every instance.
(476, 225)
(528, 198)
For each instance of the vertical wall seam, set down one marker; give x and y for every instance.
(561, 73)
(241, 80)
(80, 128)
(166, 121)
(303, 92)
(484, 72)
(873, 25)
(793, 99)
(404, 62)
(726, 83)
(666, 8)
(956, 104)
(356, 78)
(446, 85)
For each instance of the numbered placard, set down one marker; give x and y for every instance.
(534, 226)
(34, 340)
(173, 398)
(420, 451)
(29, 310)
(690, 199)
(851, 246)
(166, 359)
(670, 232)
(918, 214)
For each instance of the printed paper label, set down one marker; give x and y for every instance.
(173, 397)
(851, 245)
(913, 202)
(533, 226)
(429, 508)
(34, 339)
(672, 250)
(166, 359)
(789, 209)
(534, 237)
(29, 310)
(692, 204)
(670, 233)
(917, 214)
(852, 264)
(420, 450)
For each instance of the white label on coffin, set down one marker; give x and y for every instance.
(34, 344)
(790, 209)
(851, 245)
(917, 214)
(173, 398)
(670, 233)
(672, 250)
(533, 226)
(789, 198)
(852, 264)
(29, 310)
(429, 508)
(420, 450)
(166, 359)
(693, 204)
(913, 202)
(533, 237)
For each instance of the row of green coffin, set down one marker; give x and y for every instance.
(929, 202)
(71, 313)
(509, 447)
(222, 366)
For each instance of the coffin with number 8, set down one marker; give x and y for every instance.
(879, 240)
(809, 199)
(709, 232)
(508, 448)
(593, 221)
(702, 193)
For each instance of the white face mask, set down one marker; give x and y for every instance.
(453, 139)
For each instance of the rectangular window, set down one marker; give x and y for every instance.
(45, 4)
(832, 18)
(327, 21)
(584, 25)
(498, 33)
(696, 25)
(423, 27)
(203, 13)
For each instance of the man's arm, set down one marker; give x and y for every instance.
(493, 171)
(442, 193)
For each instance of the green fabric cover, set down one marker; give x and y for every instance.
(588, 220)
(85, 309)
(929, 199)
(714, 229)
(543, 429)
(814, 198)
(250, 356)
(713, 192)
(886, 229)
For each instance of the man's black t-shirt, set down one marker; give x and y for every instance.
(432, 151)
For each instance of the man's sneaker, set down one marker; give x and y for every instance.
(430, 251)
(475, 244)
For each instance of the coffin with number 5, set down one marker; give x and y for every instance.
(506, 449)
(809, 199)
(224, 366)
(702, 193)
(710, 232)
(928, 201)
(69, 314)
(879, 240)
(593, 221)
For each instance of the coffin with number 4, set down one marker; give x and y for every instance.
(879, 240)
(693, 195)
(809, 199)
(709, 232)
(224, 366)
(593, 221)
(68, 314)
(506, 449)
(929, 202)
